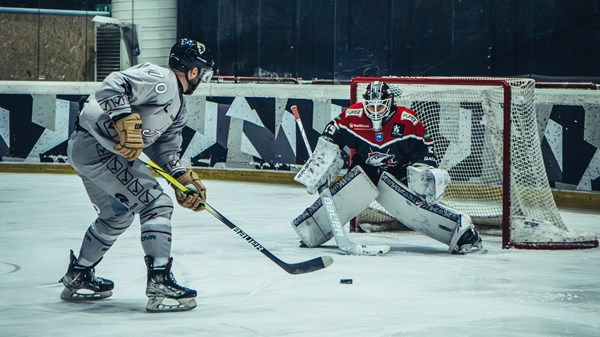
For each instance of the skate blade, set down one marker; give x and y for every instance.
(155, 304)
(470, 249)
(77, 295)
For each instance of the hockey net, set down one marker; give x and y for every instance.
(481, 127)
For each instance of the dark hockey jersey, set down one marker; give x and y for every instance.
(401, 141)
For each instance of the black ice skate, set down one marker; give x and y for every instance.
(469, 242)
(81, 284)
(162, 285)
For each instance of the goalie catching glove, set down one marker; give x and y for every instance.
(131, 142)
(194, 198)
(322, 167)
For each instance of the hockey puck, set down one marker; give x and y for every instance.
(346, 281)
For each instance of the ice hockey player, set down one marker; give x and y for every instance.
(138, 109)
(393, 162)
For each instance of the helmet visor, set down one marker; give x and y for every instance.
(205, 75)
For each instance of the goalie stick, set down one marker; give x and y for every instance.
(339, 233)
(292, 268)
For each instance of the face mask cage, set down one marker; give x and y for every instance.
(377, 109)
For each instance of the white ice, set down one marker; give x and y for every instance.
(415, 290)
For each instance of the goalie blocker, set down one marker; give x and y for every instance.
(355, 191)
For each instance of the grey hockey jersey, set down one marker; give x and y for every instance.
(154, 93)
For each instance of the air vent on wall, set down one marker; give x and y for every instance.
(108, 50)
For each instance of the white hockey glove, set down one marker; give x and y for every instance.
(427, 182)
(322, 167)
(131, 142)
(193, 199)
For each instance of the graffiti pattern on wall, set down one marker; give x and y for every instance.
(571, 145)
(260, 133)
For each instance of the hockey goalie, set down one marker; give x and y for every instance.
(393, 163)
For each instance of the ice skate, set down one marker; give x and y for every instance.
(162, 286)
(81, 284)
(469, 242)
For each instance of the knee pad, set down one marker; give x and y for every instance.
(352, 194)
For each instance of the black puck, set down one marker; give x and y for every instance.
(346, 281)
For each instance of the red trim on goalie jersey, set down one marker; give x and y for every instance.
(401, 141)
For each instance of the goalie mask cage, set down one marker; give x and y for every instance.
(486, 136)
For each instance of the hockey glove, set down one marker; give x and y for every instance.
(322, 167)
(130, 136)
(194, 198)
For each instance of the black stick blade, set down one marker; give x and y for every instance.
(315, 264)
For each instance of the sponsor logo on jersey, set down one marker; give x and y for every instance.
(398, 130)
(353, 112)
(358, 126)
(379, 136)
(380, 159)
(407, 116)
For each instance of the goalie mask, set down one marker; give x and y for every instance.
(187, 54)
(378, 102)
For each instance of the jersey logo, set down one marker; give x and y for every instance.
(398, 130)
(354, 112)
(160, 88)
(153, 135)
(380, 159)
(122, 199)
(407, 116)
(358, 126)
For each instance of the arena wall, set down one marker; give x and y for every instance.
(249, 127)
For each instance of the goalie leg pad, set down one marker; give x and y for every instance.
(351, 194)
(437, 221)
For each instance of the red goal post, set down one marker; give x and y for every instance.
(486, 135)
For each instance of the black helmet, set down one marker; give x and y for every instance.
(187, 53)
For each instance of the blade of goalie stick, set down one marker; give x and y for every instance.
(292, 268)
(339, 234)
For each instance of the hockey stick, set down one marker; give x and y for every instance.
(292, 268)
(334, 219)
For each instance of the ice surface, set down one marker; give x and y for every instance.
(415, 290)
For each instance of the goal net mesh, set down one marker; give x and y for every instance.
(465, 117)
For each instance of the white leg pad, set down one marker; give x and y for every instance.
(437, 221)
(352, 194)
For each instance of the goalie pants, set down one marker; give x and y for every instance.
(119, 189)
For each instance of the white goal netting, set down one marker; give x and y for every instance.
(486, 136)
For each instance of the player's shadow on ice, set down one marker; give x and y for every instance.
(105, 306)
(393, 250)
